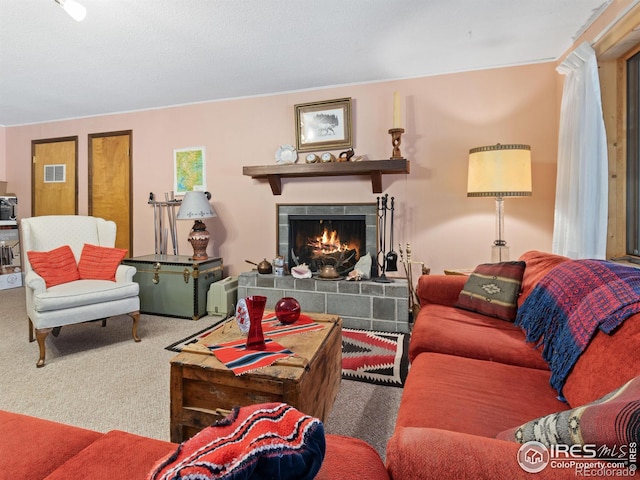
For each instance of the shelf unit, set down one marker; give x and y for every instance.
(372, 168)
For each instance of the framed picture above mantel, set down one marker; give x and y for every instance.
(324, 125)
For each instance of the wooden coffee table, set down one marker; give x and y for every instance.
(203, 390)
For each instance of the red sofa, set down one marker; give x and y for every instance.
(34, 449)
(471, 377)
(474, 376)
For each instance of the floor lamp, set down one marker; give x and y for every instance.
(499, 171)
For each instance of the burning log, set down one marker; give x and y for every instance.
(327, 249)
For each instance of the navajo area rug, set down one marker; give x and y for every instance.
(380, 358)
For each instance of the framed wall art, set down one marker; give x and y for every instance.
(323, 125)
(189, 170)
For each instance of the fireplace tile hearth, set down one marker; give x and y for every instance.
(365, 304)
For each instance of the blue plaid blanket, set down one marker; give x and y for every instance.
(569, 304)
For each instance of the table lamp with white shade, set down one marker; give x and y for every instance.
(195, 206)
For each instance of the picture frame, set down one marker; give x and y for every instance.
(189, 170)
(323, 125)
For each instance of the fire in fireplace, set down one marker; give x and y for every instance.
(319, 240)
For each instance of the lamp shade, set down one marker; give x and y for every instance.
(194, 206)
(499, 171)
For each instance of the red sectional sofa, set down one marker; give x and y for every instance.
(34, 449)
(473, 377)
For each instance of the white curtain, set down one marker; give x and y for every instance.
(580, 224)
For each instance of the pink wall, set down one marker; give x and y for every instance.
(3, 149)
(444, 116)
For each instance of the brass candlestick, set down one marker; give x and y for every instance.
(396, 140)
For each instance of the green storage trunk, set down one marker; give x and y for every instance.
(175, 285)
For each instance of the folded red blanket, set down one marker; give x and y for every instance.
(239, 359)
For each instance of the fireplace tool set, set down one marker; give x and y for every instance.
(387, 261)
(414, 301)
(161, 232)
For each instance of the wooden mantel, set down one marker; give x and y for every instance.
(373, 168)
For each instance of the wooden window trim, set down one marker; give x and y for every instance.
(613, 49)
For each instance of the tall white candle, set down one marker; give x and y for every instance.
(396, 110)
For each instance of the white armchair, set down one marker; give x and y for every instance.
(80, 300)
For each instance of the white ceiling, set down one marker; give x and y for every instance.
(139, 54)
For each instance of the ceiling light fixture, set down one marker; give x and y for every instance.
(73, 8)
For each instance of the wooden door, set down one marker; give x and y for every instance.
(110, 183)
(54, 179)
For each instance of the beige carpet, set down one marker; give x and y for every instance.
(99, 378)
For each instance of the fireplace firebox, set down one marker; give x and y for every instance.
(319, 235)
(337, 240)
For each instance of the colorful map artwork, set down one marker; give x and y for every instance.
(189, 170)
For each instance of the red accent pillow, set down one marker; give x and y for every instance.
(99, 263)
(55, 266)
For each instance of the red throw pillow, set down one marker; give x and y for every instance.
(56, 266)
(99, 263)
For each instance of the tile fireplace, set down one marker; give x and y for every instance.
(364, 304)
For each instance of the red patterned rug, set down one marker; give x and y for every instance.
(375, 357)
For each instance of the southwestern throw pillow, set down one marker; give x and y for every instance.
(492, 289)
(270, 440)
(611, 420)
(99, 263)
(56, 266)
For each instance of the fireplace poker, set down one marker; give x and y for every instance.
(414, 301)
(411, 290)
(171, 214)
(379, 215)
(155, 222)
(392, 256)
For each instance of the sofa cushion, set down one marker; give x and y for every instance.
(492, 289)
(453, 331)
(33, 448)
(538, 265)
(114, 456)
(272, 439)
(56, 266)
(610, 420)
(440, 289)
(83, 292)
(425, 453)
(99, 263)
(360, 459)
(608, 362)
(473, 396)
